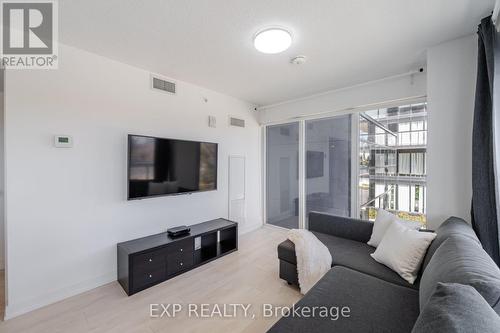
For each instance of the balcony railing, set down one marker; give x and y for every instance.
(378, 197)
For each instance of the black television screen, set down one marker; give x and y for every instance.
(159, 166)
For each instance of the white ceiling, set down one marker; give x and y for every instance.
(209, 42)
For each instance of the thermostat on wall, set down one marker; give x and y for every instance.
(63, 141)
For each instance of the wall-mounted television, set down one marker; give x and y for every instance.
(158, 166)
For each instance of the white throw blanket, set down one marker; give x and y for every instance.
(313, 258)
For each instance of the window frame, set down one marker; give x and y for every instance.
(355, 146)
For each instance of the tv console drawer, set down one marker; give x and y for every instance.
(182, 246)
(148, 276)
(177, 262)
(149, 259)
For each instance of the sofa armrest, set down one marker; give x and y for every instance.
(345, 227)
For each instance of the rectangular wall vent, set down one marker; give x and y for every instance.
(236, 122)
(159, 83)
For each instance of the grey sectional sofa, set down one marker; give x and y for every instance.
(378, 298)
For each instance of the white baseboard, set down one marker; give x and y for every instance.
(17, 309)
(249, 228)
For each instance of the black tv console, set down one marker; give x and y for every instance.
(147, 261)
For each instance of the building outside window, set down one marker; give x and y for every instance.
(392, 170)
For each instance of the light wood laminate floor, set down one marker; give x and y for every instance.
(248, 276)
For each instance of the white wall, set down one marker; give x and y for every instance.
(451, 81)
(386, 90)
(67, 208)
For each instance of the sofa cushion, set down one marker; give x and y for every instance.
(382, 223)
(340, 226)
(375, 305)
(348, 253)
(460, 259)
(402, 249)
(457, 308)
(452, 226)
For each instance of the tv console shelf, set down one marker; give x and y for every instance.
(147, 261)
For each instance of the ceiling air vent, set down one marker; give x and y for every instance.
(161, 84)
(236, 122)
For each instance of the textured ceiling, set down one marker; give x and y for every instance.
(209, 42)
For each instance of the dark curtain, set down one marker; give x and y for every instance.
(484, 207)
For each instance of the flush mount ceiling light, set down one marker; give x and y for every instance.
(272, 40)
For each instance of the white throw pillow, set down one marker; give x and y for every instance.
(403, 249)
(383, 222)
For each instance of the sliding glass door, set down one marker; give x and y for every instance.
(348, 165)
(282, 175)
(328, 165)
